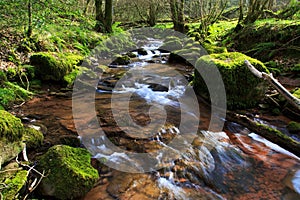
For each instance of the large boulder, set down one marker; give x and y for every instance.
(70, 174)
(11, 133)
(54, 66)
(243, 89)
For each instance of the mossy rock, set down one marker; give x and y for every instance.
(121, 60)
(32, 137)
(83, 72)
(14, 179)
(11, 133)
(11, 93)
(243, 89)
(294, 127)
(54, 66)
(70, 172)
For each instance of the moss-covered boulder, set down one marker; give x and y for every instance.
(33, 138)
(54, 66)
(13, 178)
(11, 133)
(243, 89)
(70, 172)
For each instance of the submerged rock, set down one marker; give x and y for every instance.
(121, 60)
(70, 172)
(243, 89)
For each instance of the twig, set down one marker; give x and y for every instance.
(34, 185)
(24, 153)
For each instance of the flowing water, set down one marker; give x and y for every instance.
(142, 111)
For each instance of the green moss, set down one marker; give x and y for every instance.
(54, 66)
(14, 183)
(32, 137)
(277, 135)
(20, 92)
(294, 127)
(11, 132)
(7, 97)
(70, 172)
(3, 77)
(79, 71)
(212, 49)
(29, 70)
(11, 73)
(243, 89)
(296, 93)
(11, 93)
(269, 37)
(11, 127)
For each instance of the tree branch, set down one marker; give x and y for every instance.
(272, 81)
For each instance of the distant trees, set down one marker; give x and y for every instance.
(255, 9)
(145, 11)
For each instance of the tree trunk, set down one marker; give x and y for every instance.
(86, 7)
(152, 15)
(177, 13)
(29, 30)
(108, 16)
(99, 16)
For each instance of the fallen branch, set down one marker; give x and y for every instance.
(267, 132)
(269, 77)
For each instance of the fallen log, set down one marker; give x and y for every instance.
(294, 101)
(267, 132)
